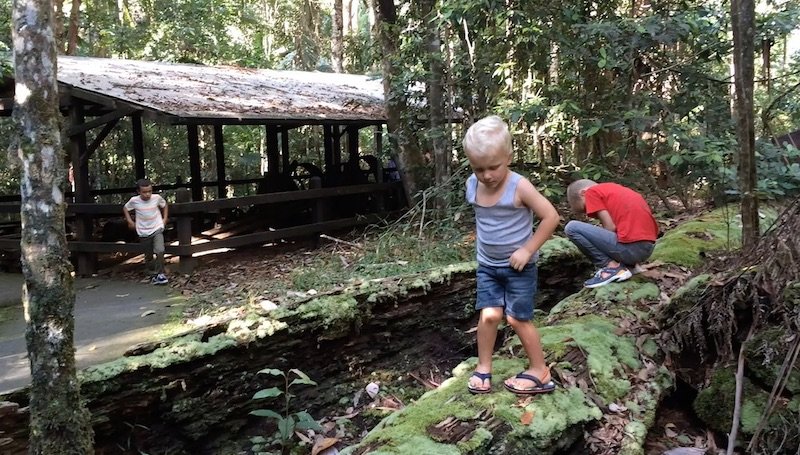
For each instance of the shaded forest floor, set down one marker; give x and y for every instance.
(225, 284)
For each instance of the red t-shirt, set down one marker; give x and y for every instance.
(628, 209)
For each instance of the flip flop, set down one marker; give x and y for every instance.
(540, 387)
(483, 377)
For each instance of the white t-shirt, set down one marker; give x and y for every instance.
(148, 214)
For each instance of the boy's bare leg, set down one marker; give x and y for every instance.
(487, 334)
(532, 343)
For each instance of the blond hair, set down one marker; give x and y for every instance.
(574, 189)
(486, 136)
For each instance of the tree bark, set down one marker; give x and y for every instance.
(59, 422)
(336, 38)
(436, 103)
(410, 161)
(743, 24)
(72, 33)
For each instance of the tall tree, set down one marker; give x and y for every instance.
(337, 37)
(436, 100)
(72, 32)
(59, 422)
(409, 156)
(743, 24)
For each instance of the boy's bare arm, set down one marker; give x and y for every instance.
(548, 221)
(606, 221)
(128, 218)
(165, 213)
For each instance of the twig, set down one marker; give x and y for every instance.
(737, 406)
(356, 245)
(777, 390)
(422, 219)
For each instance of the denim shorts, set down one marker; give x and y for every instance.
(505, 287)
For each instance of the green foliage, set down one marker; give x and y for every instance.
(287, 422)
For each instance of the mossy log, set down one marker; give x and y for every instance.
(178, 395)
(750, 306)
(602, 346)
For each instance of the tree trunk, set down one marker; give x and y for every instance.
(58, 22)
(72, 33)
(336, 38)
(59, 422)
(436, 103)
(410, 162)
(743, 24)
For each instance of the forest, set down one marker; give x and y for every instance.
(694, 104)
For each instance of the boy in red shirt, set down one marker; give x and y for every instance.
(628, 233)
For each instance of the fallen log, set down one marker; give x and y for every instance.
(603, 348)
(183, 394)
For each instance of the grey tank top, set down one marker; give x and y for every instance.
(502, 228)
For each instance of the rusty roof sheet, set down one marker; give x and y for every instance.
(227, 92)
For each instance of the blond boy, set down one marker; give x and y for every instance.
(507, 249)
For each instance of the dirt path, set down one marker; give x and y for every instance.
(109, 318)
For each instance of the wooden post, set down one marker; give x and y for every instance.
(285, 158)
(337, 147)
(319, 204)
(186, 263)
(219, 149)
(330, 164)
(273, 151)
(138, 145)
(379, 141)
(87, 262)
(352, 144)
(195, 170)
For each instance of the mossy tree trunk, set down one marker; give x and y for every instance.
(743, 25)
(59, 424)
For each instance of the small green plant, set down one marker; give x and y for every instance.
(287, 422)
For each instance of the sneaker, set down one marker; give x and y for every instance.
(160, 279)
(608, 275)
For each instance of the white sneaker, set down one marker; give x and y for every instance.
(160, 279)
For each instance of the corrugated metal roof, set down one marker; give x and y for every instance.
(226, 92)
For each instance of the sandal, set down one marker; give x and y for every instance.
(608, 275)
(540, 387)
(483, 377)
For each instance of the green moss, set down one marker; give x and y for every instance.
(180, 350)
(558, 249)
(717, 230)
(714, 404)
(607, 298)
(608, 356)
(406, 431)
(765, 353)
(633, 444)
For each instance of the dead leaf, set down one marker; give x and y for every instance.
(668, 430)
(527, 418)
(303, 437)
(148, 313)
(323, 444)
(685, 451)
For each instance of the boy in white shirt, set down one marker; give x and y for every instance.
(150, 211)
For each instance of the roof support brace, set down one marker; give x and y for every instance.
(195, 170)
(219, 151)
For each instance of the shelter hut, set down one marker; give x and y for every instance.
(787, 139)
(96, 93)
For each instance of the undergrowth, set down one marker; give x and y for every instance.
(422, 239)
